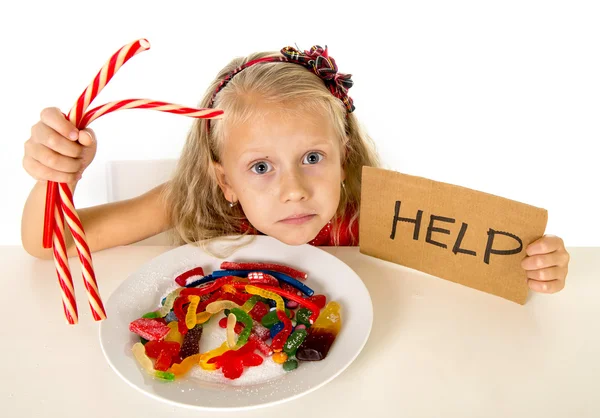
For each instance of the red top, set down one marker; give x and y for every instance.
(325, 237)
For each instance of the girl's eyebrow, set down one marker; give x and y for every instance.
(263, 149)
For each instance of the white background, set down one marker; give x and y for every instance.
(502, 97)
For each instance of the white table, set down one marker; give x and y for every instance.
(437, 349)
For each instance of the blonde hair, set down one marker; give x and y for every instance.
(198, 210)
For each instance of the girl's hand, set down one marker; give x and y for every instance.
(57, 150)
(547, 264)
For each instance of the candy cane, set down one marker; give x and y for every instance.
(76, 114)
(59, 198)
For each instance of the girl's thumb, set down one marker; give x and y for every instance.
(87, 137)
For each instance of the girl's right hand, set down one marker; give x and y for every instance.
(57, 150)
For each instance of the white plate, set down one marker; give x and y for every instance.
(142, 290)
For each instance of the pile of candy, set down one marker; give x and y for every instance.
(265, 304)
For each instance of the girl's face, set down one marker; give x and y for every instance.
(285, 169)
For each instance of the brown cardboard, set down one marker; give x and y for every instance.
(490, 225)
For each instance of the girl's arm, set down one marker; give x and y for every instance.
(105, 226)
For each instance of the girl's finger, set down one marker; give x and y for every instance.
(53, 159)
(47, 136)
(547, 274)
(545, 245)
(552, 286)
(41, 172)
(541, 261)
(87, 138)
(54, 118)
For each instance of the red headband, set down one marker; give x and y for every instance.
(317, 60)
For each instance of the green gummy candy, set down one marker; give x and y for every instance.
(271, 318)
(303, 315)
(290, 365)
(165, 375)
(151, 315)
(294, 341)
(226, 312)
(143, 340)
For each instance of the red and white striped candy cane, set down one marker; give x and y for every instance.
(76, 113)
(59, 198)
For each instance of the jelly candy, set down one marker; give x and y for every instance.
(250, 303)
(191, 342)
(271, 318)
(219, 305)
(168, 302)
(232, 362)
(178, 308)
(202, 317)
(259, 310)
(258, 277)
(205, 358)
(174, 334)
(154, 348)
(282, 336)
(244, 318)
(290, 365)
(170, 317)
(262, 332)
(181, 280)
(278, 326)
(185, 365)
(322, 334)
(296, 274)
(190, 316)
(151, 315)
(319, 300)
(150, 329)
(140, 355)
(265, 293)
(163, 361)
(231, 323)
(303, 316)
(294, 341)
(280, 357)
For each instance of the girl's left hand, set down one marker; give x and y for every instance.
(547, 264)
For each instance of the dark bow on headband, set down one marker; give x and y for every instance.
(319, 61)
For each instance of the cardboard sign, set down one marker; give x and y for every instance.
(462, 235)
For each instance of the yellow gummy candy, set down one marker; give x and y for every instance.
(253, 290)
(219, 305)
(190, 317)
(202, 317)
(329, 318)
(174, 334)
(204, 358)
(182, 368)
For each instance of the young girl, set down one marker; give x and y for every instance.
(285, 161)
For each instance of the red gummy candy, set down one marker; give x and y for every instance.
(259, 310)
(233, 369)
(258, 277)
(252, 360)
(149, 329)
(319, 300)
(164, 361)
(154, 348)
(182, 278)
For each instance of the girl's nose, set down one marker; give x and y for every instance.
(293, 188)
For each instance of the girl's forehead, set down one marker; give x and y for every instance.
(277, 128)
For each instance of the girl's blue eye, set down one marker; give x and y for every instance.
(312, 158)
(261, 167)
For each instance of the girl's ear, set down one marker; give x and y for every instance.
(223, 182)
